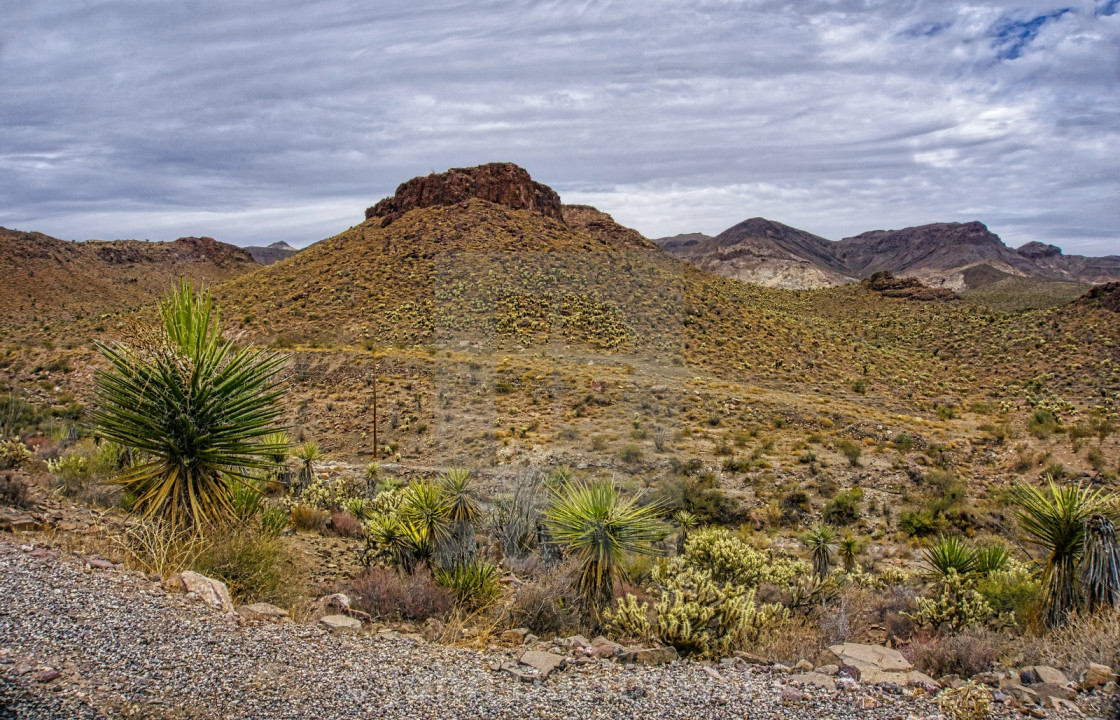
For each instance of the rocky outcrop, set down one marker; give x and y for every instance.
(210, 591)
(1106, 296)
(909, 288)
(502, 183)
(602, 226)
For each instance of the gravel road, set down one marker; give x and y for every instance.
(122, 647)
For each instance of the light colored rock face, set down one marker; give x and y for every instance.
(341, 623)
(544, 662)
(815, 679)
(871, 656)
(212, 592)
(1043, 674)
(650, 656)
(879, 664)
(1096, 676)
(263, 611)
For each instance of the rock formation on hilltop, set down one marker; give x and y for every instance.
(501, 183)
(908, 288)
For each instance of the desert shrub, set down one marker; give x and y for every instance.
(921, 523)
(1042, 423)
(843, 508)
(548, 605)
(345, 524)
(307, 517)
(698, 495)
(274, 519)
(903, 442)
(631, 454)
(13, 454)
(155, 546)
(851, 450)
(14, 491)
(1013, 590)
(475, 583)
(255, 566)
(385, 593)
(794, 506)
(965, 654)
(971, 701)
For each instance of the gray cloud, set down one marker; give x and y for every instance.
(255, 122)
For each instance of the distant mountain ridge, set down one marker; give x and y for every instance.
(955, 256)
(266, 255)
(50, 279)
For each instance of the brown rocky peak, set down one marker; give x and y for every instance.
(1036, 250)
(502, 183)
(908, 288)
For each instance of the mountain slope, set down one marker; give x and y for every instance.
(764, 252)
(47, 279)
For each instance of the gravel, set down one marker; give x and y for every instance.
(122, 647)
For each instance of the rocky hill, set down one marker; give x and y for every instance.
(47, 279)
(955, 256)
(266, 255)
(764, 252)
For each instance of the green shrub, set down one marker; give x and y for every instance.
(13, 454)
(851, 450)
(475, 583)
(631, 454)
(843, 508)
(255, 566)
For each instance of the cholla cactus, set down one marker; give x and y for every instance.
(971, 701)
(700, 617)
(629, 619)
(730, 560)
(958, 605)
(13, 454)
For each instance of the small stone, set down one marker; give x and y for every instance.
(212, 592)
(263, 611)
(803, 666)
(100, 564)
(650, 656)
(828, 669)
(752, 659)
(791, 695)
(48, 675)
(849, 671)
(867, 703)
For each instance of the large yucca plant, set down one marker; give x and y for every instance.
(1054, 519)
(1100, 569)
(820, 540)
(191, 408)
(598, 527)
(463, 512)
(949, 552)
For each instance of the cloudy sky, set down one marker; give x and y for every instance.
(282, 120)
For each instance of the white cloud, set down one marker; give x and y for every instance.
(838, 116)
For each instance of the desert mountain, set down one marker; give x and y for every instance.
(764, 252)
(47, 279)
(266, 255)
(956, 256)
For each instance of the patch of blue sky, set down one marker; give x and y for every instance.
(1013, 36)
(1107, 7)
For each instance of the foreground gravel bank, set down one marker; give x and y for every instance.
(80, 643)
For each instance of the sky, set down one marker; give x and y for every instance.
(254, 122)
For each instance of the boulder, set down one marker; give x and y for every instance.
(1042, 674)
(341, 624)
(751, 659)
(1096, 676)
(1051, 690)
(649, 656)
(828, 669)
(874, 657)
(543, 662)
(265, 612)
(212, 592)
(337, 604)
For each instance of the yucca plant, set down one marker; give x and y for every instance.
(1054, 520)
(280, 447)
(820, 540)
(308, 454)
(687, 522)
(949, 552)
(425, 509)
(192, 410)
(387, 541)
(598, 527)
(1100, 568)
(849, 548)
(463, 513)
(988, 559)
